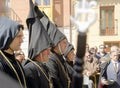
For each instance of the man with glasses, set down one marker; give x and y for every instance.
(102, 52)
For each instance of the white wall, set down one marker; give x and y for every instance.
(24, 45)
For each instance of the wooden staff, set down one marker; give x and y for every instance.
(82, 22)
(77, 76)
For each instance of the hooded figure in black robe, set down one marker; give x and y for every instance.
(56, 64)
(9, 30)
(69, 48)
(69, 62)
(35, 69)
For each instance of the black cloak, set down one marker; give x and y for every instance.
(7, 82)
(8, 31)
(36, 72)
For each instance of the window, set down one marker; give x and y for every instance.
(46, 6)
(43, 2)
(111, 43)
(107, 22)
(38, 2)
(46, 2)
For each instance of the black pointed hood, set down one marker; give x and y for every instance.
(55, 34)
(39, 39)
(8, 31)
(68, 49)
(31, 18)
(57, 37)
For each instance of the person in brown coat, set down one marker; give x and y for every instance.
(91, 66)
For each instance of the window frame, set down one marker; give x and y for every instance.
(108, 44)
(107, 28)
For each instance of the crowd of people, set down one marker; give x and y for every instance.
(51, 57)
(101, 68)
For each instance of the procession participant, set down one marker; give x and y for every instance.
(37, 73)
(11, 37)
(56, 64)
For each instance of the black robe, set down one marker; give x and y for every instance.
(5, 67)
(5, 79)
(56, 71)
(70, 71)
(35, 77)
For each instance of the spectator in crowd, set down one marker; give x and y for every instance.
(102, 52)
(104, 59)
(91, 66)
(93, 51)
(110, 70)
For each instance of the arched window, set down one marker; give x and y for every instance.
(46, 6)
